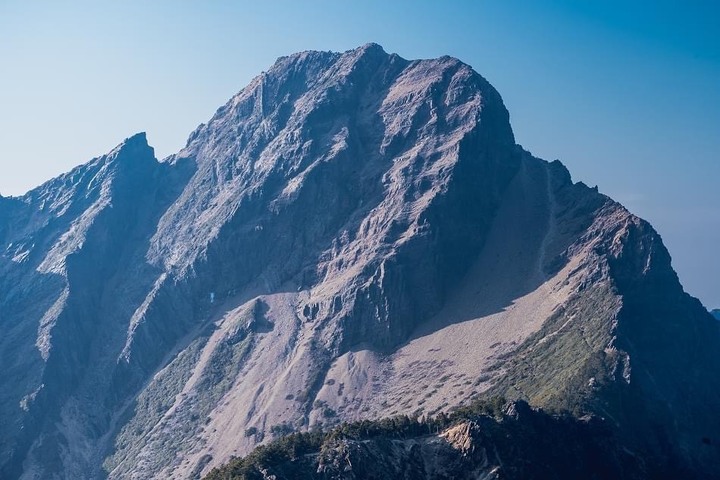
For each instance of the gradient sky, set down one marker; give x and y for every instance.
(625, 93)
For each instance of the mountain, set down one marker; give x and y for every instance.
(352, 236)
(716, 313)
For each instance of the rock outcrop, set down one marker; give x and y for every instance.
(353, 235)
(519, 444)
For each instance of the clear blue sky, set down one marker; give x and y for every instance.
(626, 93)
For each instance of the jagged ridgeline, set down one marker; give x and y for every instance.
(353, 236)
(487, 439)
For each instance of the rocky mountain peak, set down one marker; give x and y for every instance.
(353, 235)
(357, 110)
(133, 147)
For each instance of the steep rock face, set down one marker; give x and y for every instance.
(345, 189)
(72, 269)
(630, 345)
(352, 235)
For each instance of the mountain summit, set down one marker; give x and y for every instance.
(353, 235)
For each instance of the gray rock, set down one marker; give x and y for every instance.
(352, 235)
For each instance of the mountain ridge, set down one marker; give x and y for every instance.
(481, 440)
(352, 235)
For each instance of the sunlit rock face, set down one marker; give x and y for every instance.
(353, 235)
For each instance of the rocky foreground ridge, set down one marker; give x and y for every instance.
(352, 236)
(487, 440)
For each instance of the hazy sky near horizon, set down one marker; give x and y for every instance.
(625, 93)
